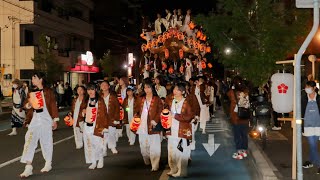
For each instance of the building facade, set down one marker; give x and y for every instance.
(67, 23)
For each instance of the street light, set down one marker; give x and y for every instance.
(227, 51)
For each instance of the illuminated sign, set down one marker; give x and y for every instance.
(88, 58)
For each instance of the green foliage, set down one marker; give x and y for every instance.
(259, 32)
(108, 62)
(45, 61)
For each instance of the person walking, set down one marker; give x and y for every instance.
(310, 104)
(18, 113)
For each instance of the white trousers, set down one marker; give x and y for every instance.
(93, 147)
(204, 116)
(131, 136)
(177, 160)
(112, 137)
(193, 142)
(33, 135)
(78, 136)
(150, 146)
(119, 133)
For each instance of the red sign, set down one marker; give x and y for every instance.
(85, 69)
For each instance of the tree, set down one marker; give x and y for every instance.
(45, 61)
(110, 63)
(258, 33)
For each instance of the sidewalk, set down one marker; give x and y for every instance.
(221, 165)
(279, 153)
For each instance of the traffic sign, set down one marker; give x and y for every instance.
(305, 3)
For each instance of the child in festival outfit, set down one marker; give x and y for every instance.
(150, 108)
(78, 104)
(180, 134)
(96, 125)
(113, 113)
(41, 119)
(130, 107)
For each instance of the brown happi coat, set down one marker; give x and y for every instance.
(113, 109)
(154, 112)
(83, 105)
(50, 104)
(193, 101)
(204, 98)
(184, 118)
(125, 105)
(102, 118)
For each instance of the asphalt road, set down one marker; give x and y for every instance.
(69, 163)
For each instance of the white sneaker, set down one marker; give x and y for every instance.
(27, 171)
(93, 165)
(79, 147)
(100, 164)
(237, 156)
(47, 167)
(276, 128)
(243, 153)
(114, 151)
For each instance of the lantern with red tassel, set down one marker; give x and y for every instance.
(166, 119)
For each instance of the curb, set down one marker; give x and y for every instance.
(266, 170)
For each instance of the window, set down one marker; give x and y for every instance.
(28, 38)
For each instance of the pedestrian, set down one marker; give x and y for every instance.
(150, 108)
(239, 97)
(68, 94)
(18, 114)
(130, 107)
(310, 104)
(79, 103)
(61, 91)
(113, 113)
(40, 124)
(96, 125)
(180, 133)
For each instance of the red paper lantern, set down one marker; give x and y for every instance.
(135, 123)
(210, 65)
(192, 25)
(166, 119)
(181, 53)
(166, 53)
(171, 70)
(208, 49)
(68, 120)
(203, 64)
(164, 66)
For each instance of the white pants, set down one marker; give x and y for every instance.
(93, 147)
(193, 143)
(131, 136)
(119, 133)
(177, 160)
(112, 137)
(44, 135)
(78, 136)
(204, 116)
(150, 146)
(105, 143)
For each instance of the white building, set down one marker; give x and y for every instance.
(23, 21)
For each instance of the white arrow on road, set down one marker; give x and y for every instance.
(211, 147)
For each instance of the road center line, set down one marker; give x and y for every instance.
(37, 150)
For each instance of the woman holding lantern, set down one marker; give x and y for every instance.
(180, 133)
(150, 107)
(18, 114)
(77, 105)
(42, 118)
(96, 125)
(113, 113)
(130, 107)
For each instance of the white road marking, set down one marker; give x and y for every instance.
(37, 150)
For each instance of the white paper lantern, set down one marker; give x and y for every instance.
(282, 92)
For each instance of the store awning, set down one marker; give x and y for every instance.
(84, 69)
